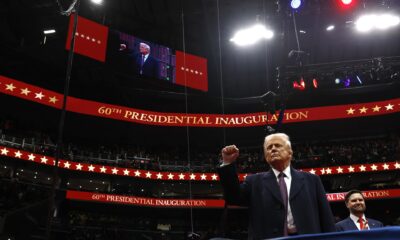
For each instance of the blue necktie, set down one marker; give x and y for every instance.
(141, 64)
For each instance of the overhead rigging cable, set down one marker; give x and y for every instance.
(220, 72)
(69, 10)
(186, 111)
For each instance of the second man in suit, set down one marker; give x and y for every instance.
(355, 202)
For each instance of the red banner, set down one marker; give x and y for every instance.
(90, 38)
(179, 176)
(191, 71)
(199, 203)
(43, 96)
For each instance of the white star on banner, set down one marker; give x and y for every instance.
(78, 166)
(363, 110)
(170, 176)
(214, 177)
(374, 167)
(91, 168)
(362, 168)
(339, 170)
(103, 169)
(126, 172)
(350, 111)
(25, 91)
(397, 165)
(322, 171)
(18, 154)
(159, 176)
(181, 176)
(137, 173)
(203, 176)
(10, 87)
(385, 166)
(389, 107)
(148, 174)
(192, 176)
(43, 159)
(31, 157)
(328, 171)
(53, 99)
(376, 108)
(351, 169)
(114, 170)
(67, 164)
(4, 151)
(39, 95)
(312, 171)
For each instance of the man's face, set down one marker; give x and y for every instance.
(143, 49)
(277, 152)
(356, 204)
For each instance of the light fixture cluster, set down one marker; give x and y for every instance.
(251, 35)
(369, 22)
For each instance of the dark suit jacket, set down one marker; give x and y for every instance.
(151, 67)
(348, 224)
(260, 192)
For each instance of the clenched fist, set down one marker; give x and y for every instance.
(229, 154)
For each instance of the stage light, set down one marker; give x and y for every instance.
(97, 2)
(49, 31)
(337, 80)
(346, 2)
(315, 83)
(347, 82)
(330, 28)
(295, 4)
(251, 35)
(366, 23)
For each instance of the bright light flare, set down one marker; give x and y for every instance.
(251, 35)
(369, 22)
(295, 4)
(330, 28)
(346, 2)
(49, 31)
(97, 2)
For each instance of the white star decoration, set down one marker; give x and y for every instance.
(181, 176)
(312, 171)
(25, 91)
(4, 151)
(126, 172)
(192, 176)
(43, 159)
(53, 99)
(114, 171)
(389, 107)
(328, 171)
(351, 169)
(191, 71)
(374, 167)
(214, 177)
(385, 166)
(350, 111)
(137, 173)
(148, 174)
(67, 164)
(18, 154)
(91, 168)
(397, 165)
(170, 176)
(159, 176)
(339, 170)
(10, 87)
(31, 157)
(103, 169)
(39, 95)
(362, 168)
(203, 176)
(78, 166)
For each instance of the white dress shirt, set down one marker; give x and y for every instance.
(354, 218)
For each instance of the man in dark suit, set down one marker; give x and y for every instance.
(147, 65)
(355, 202)
(282, 201)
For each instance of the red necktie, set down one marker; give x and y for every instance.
(361, 221)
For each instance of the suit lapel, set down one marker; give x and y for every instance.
(271, 183)
(297, 183)
(351, 224)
